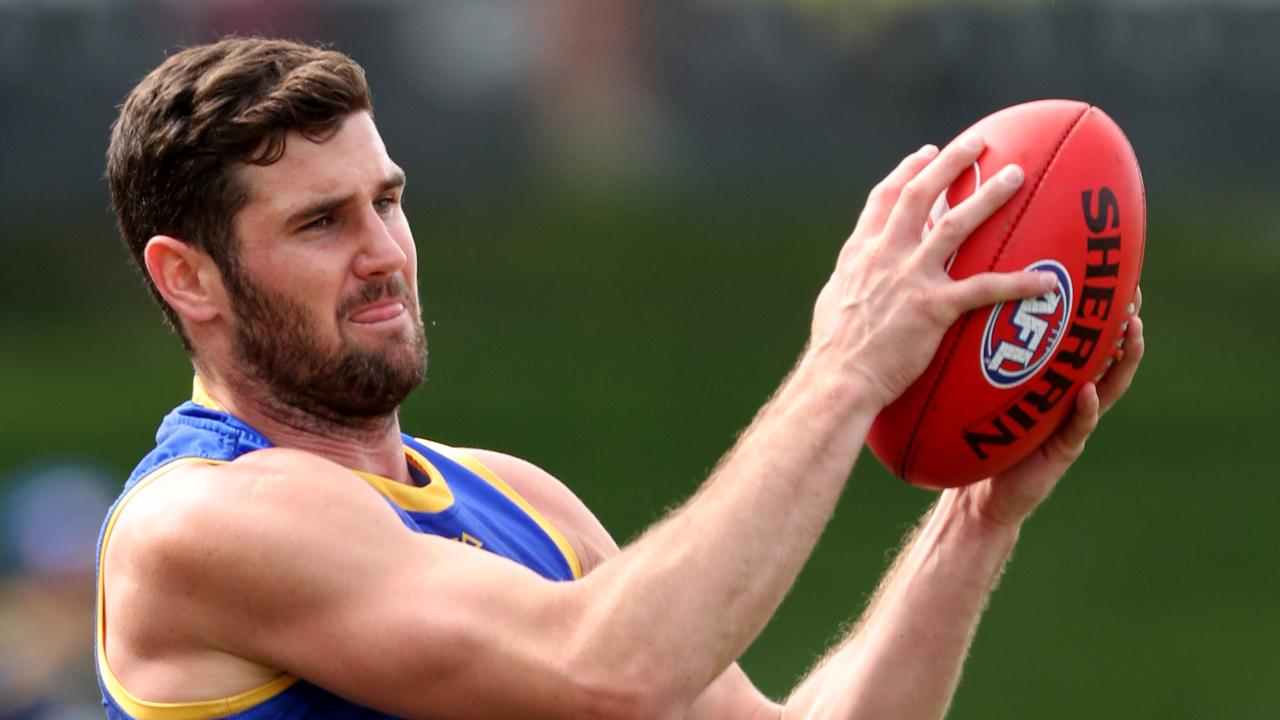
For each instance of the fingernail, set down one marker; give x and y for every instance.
(1011, 175)
(1098, 377)
(1048, 280)
(972, 141)
(1124, 327)
(1120, 343)
(927, 150)
(1131, 308)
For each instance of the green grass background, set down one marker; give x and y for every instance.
(622, 343)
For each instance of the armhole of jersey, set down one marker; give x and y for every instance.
(471, 463)
(141, 709)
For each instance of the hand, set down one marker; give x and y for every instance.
(1008, 498)
(886, 307)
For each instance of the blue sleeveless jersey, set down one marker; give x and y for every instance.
(456, 497)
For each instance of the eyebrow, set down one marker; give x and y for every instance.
(324, 206)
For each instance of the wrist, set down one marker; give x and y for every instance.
(857, 369)
(962, 509)
(848, 394)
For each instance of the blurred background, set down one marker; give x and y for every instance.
(624, 211)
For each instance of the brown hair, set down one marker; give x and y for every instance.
(184, 128)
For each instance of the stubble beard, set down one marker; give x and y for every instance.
(351, 388)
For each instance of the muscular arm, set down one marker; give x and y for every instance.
(903, 659)
(287, 560)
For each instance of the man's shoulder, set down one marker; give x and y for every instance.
(236, 566)
(196, 504)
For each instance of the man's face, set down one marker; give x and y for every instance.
(324, 302)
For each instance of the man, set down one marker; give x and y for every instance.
(286, 552)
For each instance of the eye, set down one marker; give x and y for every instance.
(317, 224)
(385, 204)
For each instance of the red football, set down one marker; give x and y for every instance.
(1005, 377)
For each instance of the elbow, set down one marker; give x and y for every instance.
(622, 678)
(626, 681)
(623, 664)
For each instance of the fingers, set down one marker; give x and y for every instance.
(960, 222)
(990, 288)
(1095, 399)
(1017, 491)
(920, 192)
(1065, 446)
(1119, 377)
(884, 195)
(1136, 306)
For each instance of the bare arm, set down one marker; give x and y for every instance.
(286, 560)
(903, 659)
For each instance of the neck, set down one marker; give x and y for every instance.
(371, 444)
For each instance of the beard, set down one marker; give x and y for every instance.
(276, 339)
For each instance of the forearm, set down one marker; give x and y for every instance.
(688, 598)
(685, 600)
(903, 660)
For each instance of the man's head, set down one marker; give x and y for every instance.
(255, 194)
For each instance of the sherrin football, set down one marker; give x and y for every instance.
(1005, 377)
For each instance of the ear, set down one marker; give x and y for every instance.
(186, 277)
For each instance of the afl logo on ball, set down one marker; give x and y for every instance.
(1021, 336)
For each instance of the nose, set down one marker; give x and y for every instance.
(380, 252)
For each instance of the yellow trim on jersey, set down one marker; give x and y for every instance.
(143, 709)
(200, 396)
(433, 497)
(471, 463)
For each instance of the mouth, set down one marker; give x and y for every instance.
(379, 312)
